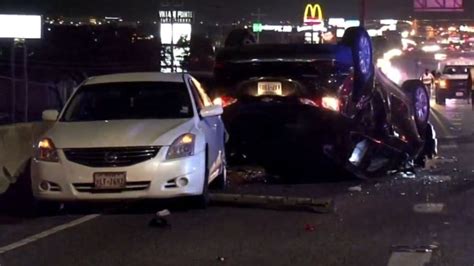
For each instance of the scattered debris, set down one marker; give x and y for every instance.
(422, 249)
(247, 174)
(163, 213)
(408, 174)
(273, 202)
(309, 227)
(428, 207)
(455, 170)
(221, 259)
(355, 188)
(446, 223)
(443, 160)
(439, 178)
(159, 219)
(403, 193)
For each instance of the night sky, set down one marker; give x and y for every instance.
(221, 10)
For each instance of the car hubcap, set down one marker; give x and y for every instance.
(421, 104)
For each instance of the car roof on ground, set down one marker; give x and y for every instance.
(137, 77)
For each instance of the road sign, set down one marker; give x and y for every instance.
(257, 27)
(439, 5)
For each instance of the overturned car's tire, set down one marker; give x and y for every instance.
(360, 43)
(239, 37)
(417, 92)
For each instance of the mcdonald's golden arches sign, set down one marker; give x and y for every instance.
(313, 14)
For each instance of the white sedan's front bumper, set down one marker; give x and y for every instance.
(152, 179)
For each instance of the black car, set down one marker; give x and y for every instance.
(321, 103)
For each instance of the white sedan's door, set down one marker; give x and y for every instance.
(213, 128)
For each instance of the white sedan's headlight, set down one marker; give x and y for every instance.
(46, 151)
(183, 146)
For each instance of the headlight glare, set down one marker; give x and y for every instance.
(46, 151)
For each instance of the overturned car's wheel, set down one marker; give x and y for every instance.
(239, 37)
(421, 103)
(360, 43)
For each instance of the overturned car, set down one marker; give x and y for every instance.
(320, 104)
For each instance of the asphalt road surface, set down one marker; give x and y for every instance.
(395, 220)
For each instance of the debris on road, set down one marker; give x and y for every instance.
(159, 220)
(439, 178)
(355, 188)
(428, 207)
(220, 259)
(163, 213)
(273, 202)
(408, 175)
(247, 174)
(418, 249)
(309, 227)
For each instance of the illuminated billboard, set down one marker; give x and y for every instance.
(313, 15)
(175, 35)
(438, 5)
(20, 26)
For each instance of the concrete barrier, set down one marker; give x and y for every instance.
(16, 150)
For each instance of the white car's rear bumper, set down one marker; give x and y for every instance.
(152, 179)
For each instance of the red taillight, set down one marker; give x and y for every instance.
(309, 102)
(218, 65)
(327, 102)
(224, 101)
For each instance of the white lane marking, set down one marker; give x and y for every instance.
(428, 207)
(448, 147)
(409, 258)
(47, 233)
(457, 124)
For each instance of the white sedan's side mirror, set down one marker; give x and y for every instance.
(213, 110)
(50, 115)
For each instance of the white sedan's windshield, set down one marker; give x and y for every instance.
(133, 100)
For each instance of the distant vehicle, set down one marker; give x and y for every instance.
(280, 100)
(453, 83)
(131, 136)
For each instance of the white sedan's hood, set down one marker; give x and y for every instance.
(455, 77)
(123, 133)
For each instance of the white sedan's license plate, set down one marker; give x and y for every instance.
(110, 180)
(270, 88)
(459, 94)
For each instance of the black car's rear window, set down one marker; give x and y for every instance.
(129, 100)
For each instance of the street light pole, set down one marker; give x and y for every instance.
(25, 77)
(259, 16)
(13, 85)
(363, 12)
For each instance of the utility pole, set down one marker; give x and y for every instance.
(259, 16)
(13, 80)
(363, 12)
(25, 77)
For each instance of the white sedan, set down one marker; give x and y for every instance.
(131, 136)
